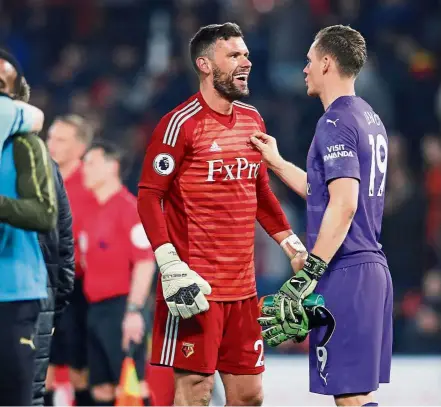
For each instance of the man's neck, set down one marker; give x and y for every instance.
(336, 89)
(107, 190)
(69, 168)
(215, 101)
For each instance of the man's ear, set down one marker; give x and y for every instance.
(326, 63)
(24, 91)
(204, 65)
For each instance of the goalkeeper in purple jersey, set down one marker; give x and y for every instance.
(344, 187)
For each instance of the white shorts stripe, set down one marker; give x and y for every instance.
(168, 340)
(164, 345)
(168, 133)
(171, 340)
(172, 359)
(176, 133)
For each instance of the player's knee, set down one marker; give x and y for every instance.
(246, 397)
(193, 389)
(353, 399)
(79, 379)
(201, 387)
(103, 392)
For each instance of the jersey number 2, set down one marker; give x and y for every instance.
(258, 345)
(379, 161)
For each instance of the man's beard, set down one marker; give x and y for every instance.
(225, 86)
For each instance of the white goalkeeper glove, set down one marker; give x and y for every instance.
(184, 290)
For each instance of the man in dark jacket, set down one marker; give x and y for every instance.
(58, 253)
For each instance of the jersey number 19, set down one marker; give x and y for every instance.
(379, 161)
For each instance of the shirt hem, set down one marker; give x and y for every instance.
(222, 298)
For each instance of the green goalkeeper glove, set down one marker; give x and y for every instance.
(302, 284)
(294, 327)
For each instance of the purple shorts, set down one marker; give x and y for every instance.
(358, 356)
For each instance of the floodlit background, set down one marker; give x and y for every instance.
(124, 63)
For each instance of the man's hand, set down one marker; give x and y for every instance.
(133, 327)
(298, 287)
(290, 325)
(267, 145)
(295, 250)
(184, 290)
(293, 326)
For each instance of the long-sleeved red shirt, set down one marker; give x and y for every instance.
(202, 188)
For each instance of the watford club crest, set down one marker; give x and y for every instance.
(187, 349)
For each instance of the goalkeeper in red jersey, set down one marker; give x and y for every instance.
(202, 188)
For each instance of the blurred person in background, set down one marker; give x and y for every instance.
(431, 151)
(423, 333)
(68, 139)
(31, 160)
(119, 268)
(403, 222)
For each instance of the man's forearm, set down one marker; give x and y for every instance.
(28, 214)
(36, 208)
(334, 228)
(292, 176)
(141, 282)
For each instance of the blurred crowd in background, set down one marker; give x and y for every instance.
(124, 63)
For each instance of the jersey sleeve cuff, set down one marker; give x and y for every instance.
(348, 174)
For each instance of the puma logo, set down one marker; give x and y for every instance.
(324, 378)
(29, 342)
(334, 122)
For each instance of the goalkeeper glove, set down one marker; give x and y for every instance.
(184, 290)
(302, 284)
(293, 326)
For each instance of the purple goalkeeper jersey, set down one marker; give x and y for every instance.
(350, 141)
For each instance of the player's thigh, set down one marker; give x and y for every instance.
(350, 361)
(187, 344)
(241, 351)
(17, 351)
(243, 390)
(100, 371)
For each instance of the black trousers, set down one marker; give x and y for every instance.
(18, 320)
(105, 353)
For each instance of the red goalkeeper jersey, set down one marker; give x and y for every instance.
(213, 186)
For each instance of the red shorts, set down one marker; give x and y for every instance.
(226, 338)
